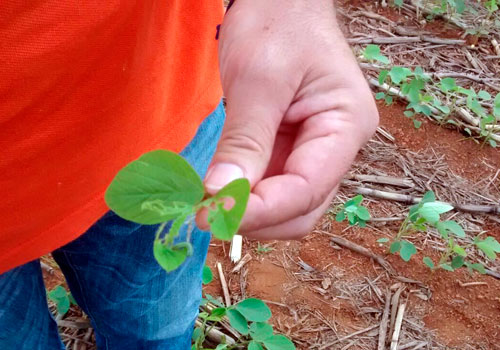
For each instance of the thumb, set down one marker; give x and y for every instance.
(246, 144)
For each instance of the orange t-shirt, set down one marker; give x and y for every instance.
(86, 87)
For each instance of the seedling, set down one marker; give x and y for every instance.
(62, 299)
(372, 54)
(427, 213)
(354, 212)
(249, 317)
(162, 188)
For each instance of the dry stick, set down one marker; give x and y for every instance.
(397, 327)
(386, 134)
(348, 336)
(223, 283)
(386, 180)
(404, 198)
(383, 40)
(242, 263)
(384, 322)
(360, 250)
(394, 307)
(471, 284)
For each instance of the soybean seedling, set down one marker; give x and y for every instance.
(62, 299)
(162, 188)
(249, 317)
(354, 212)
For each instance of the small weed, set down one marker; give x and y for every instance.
(249, 317)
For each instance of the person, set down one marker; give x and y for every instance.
(86, 87)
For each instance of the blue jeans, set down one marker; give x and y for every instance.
(112, 274)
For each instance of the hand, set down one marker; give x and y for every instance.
(298, 111)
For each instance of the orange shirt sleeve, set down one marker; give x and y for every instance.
(86, 87)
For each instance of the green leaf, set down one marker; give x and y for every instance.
(407, 250)
(383, 240)
(237, 321)
(372, 53)
(63, 306)
(196, 334)
(454, 228)
(428, 197)
(408, 114)
(221, 347)
(388, 100)
(428, 261)
(417, 123)
(161, 176)
(496, 105)
(398, 3)
(379, 95)
(217, 314)
(363, 213)
(489, 246)
(340, 216)
(478, 267)
(457, 262)
(395, 247)
(492, 143)
(225, 223)
(484, 95)
(431, 210)
(207, 275)
(356, 200)
(254, 310)
(278, 342)
(168, 258)
(442, 229)
(260, 331)
(253, 345)
(446, 267)
(459, 250)
(398, 74)
(381, 77)
(57, 293)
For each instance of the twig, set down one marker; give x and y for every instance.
(348, 336)
(360, 250)
(387, 180)
(242, 263)
(397, 327)
(471, 284)
(225, 289)
(394, 307)
(384, 322)
(385, 134)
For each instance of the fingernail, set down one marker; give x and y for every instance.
(220, 175)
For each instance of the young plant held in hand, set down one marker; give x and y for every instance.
(161, 187)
